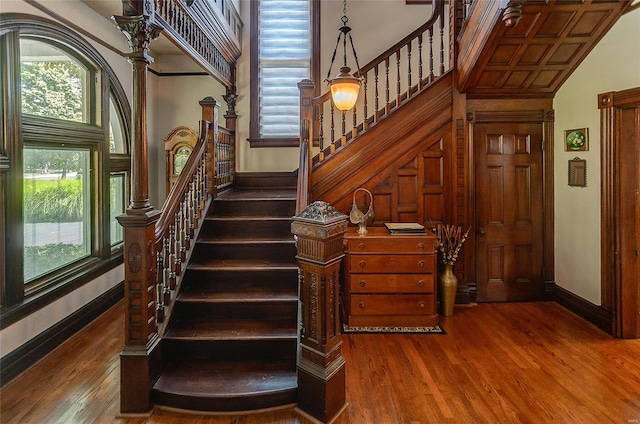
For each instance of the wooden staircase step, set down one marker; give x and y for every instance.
(238, 310)
(227, 385)
(248, 329)
(254, 250)
(270, 206)
(231, 291)
(176, 348)
(239, 265)
(256, 228)
(199, 278)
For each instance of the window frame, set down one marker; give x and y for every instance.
(255, 139)
(18, 131)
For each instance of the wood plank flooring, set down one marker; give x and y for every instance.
(498, 363)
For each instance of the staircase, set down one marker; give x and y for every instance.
(231, 343)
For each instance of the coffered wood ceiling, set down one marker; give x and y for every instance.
(534, 58)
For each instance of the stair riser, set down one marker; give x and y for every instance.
(246, 229)
(284, 252)
(193, 350)
(186, 311)
(225, 404)
(270, 207)
(216, 280)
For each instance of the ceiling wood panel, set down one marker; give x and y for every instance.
(534, 57)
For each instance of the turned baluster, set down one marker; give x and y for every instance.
(420, 84)
(398, 87)
(365, 123)
(431, 77)
(376, 98)
(409, 69)
(387, 107)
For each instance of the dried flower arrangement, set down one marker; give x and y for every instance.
(450, 240)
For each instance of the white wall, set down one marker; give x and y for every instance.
(15, 335)
(173, 103)
(614, 64)
(375, 27)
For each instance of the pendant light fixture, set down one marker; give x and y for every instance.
(344, 86)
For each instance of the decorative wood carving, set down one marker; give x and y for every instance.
(319, 230)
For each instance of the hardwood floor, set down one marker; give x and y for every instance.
(498, 363)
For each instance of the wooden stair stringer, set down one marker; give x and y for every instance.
(375, 154)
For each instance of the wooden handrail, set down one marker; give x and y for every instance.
(179, 224)
(388, 81)
(438, 13)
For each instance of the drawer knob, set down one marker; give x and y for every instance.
(421, 283)
(362, 264)
(361, 246)
(421, 305)
(421, 264)
(363, 283)
(420, 246)
(362, 305)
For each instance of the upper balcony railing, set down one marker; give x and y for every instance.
(208, 30)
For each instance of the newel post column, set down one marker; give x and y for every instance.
(319, 231)
(140, 353)
(210, 109)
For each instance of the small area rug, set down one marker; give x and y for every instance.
(436, 329)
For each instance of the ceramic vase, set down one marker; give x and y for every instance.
(448, 288)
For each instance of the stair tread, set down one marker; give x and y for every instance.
(259, 194)
(241, 293)
(211, 379)
(254, 240)
(238, 264)
(233, 330)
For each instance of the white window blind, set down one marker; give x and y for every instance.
(284, 60)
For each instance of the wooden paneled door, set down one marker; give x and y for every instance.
(509, 211)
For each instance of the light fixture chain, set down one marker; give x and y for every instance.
(333, 57)
(354, 54)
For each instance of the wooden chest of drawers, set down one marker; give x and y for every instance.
(389, 279)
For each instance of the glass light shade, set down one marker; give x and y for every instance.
(344, 89)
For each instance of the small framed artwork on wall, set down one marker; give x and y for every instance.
(578, 172)
(576, 140)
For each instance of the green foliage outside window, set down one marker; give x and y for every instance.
(53, 89)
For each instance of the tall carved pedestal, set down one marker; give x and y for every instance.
(319, 230)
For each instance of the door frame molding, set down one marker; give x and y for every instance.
(544, 116)
(619, 297)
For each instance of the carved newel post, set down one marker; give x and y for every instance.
(319, 231)
(140, 354)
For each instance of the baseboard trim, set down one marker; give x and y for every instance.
(596, 315)
(14, 363)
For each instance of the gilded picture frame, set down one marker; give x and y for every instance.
(576, 140)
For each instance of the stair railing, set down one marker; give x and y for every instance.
(179, 223)
(388, 81)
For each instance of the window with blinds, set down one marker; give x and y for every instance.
(283, 58)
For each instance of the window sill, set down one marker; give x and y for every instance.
(92, 270)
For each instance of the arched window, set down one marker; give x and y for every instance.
(65, 139)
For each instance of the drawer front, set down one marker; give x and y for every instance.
(399, 304)
(409, 264)
(392, 283)
(391, 245)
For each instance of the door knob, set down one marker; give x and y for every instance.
(481, 231)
